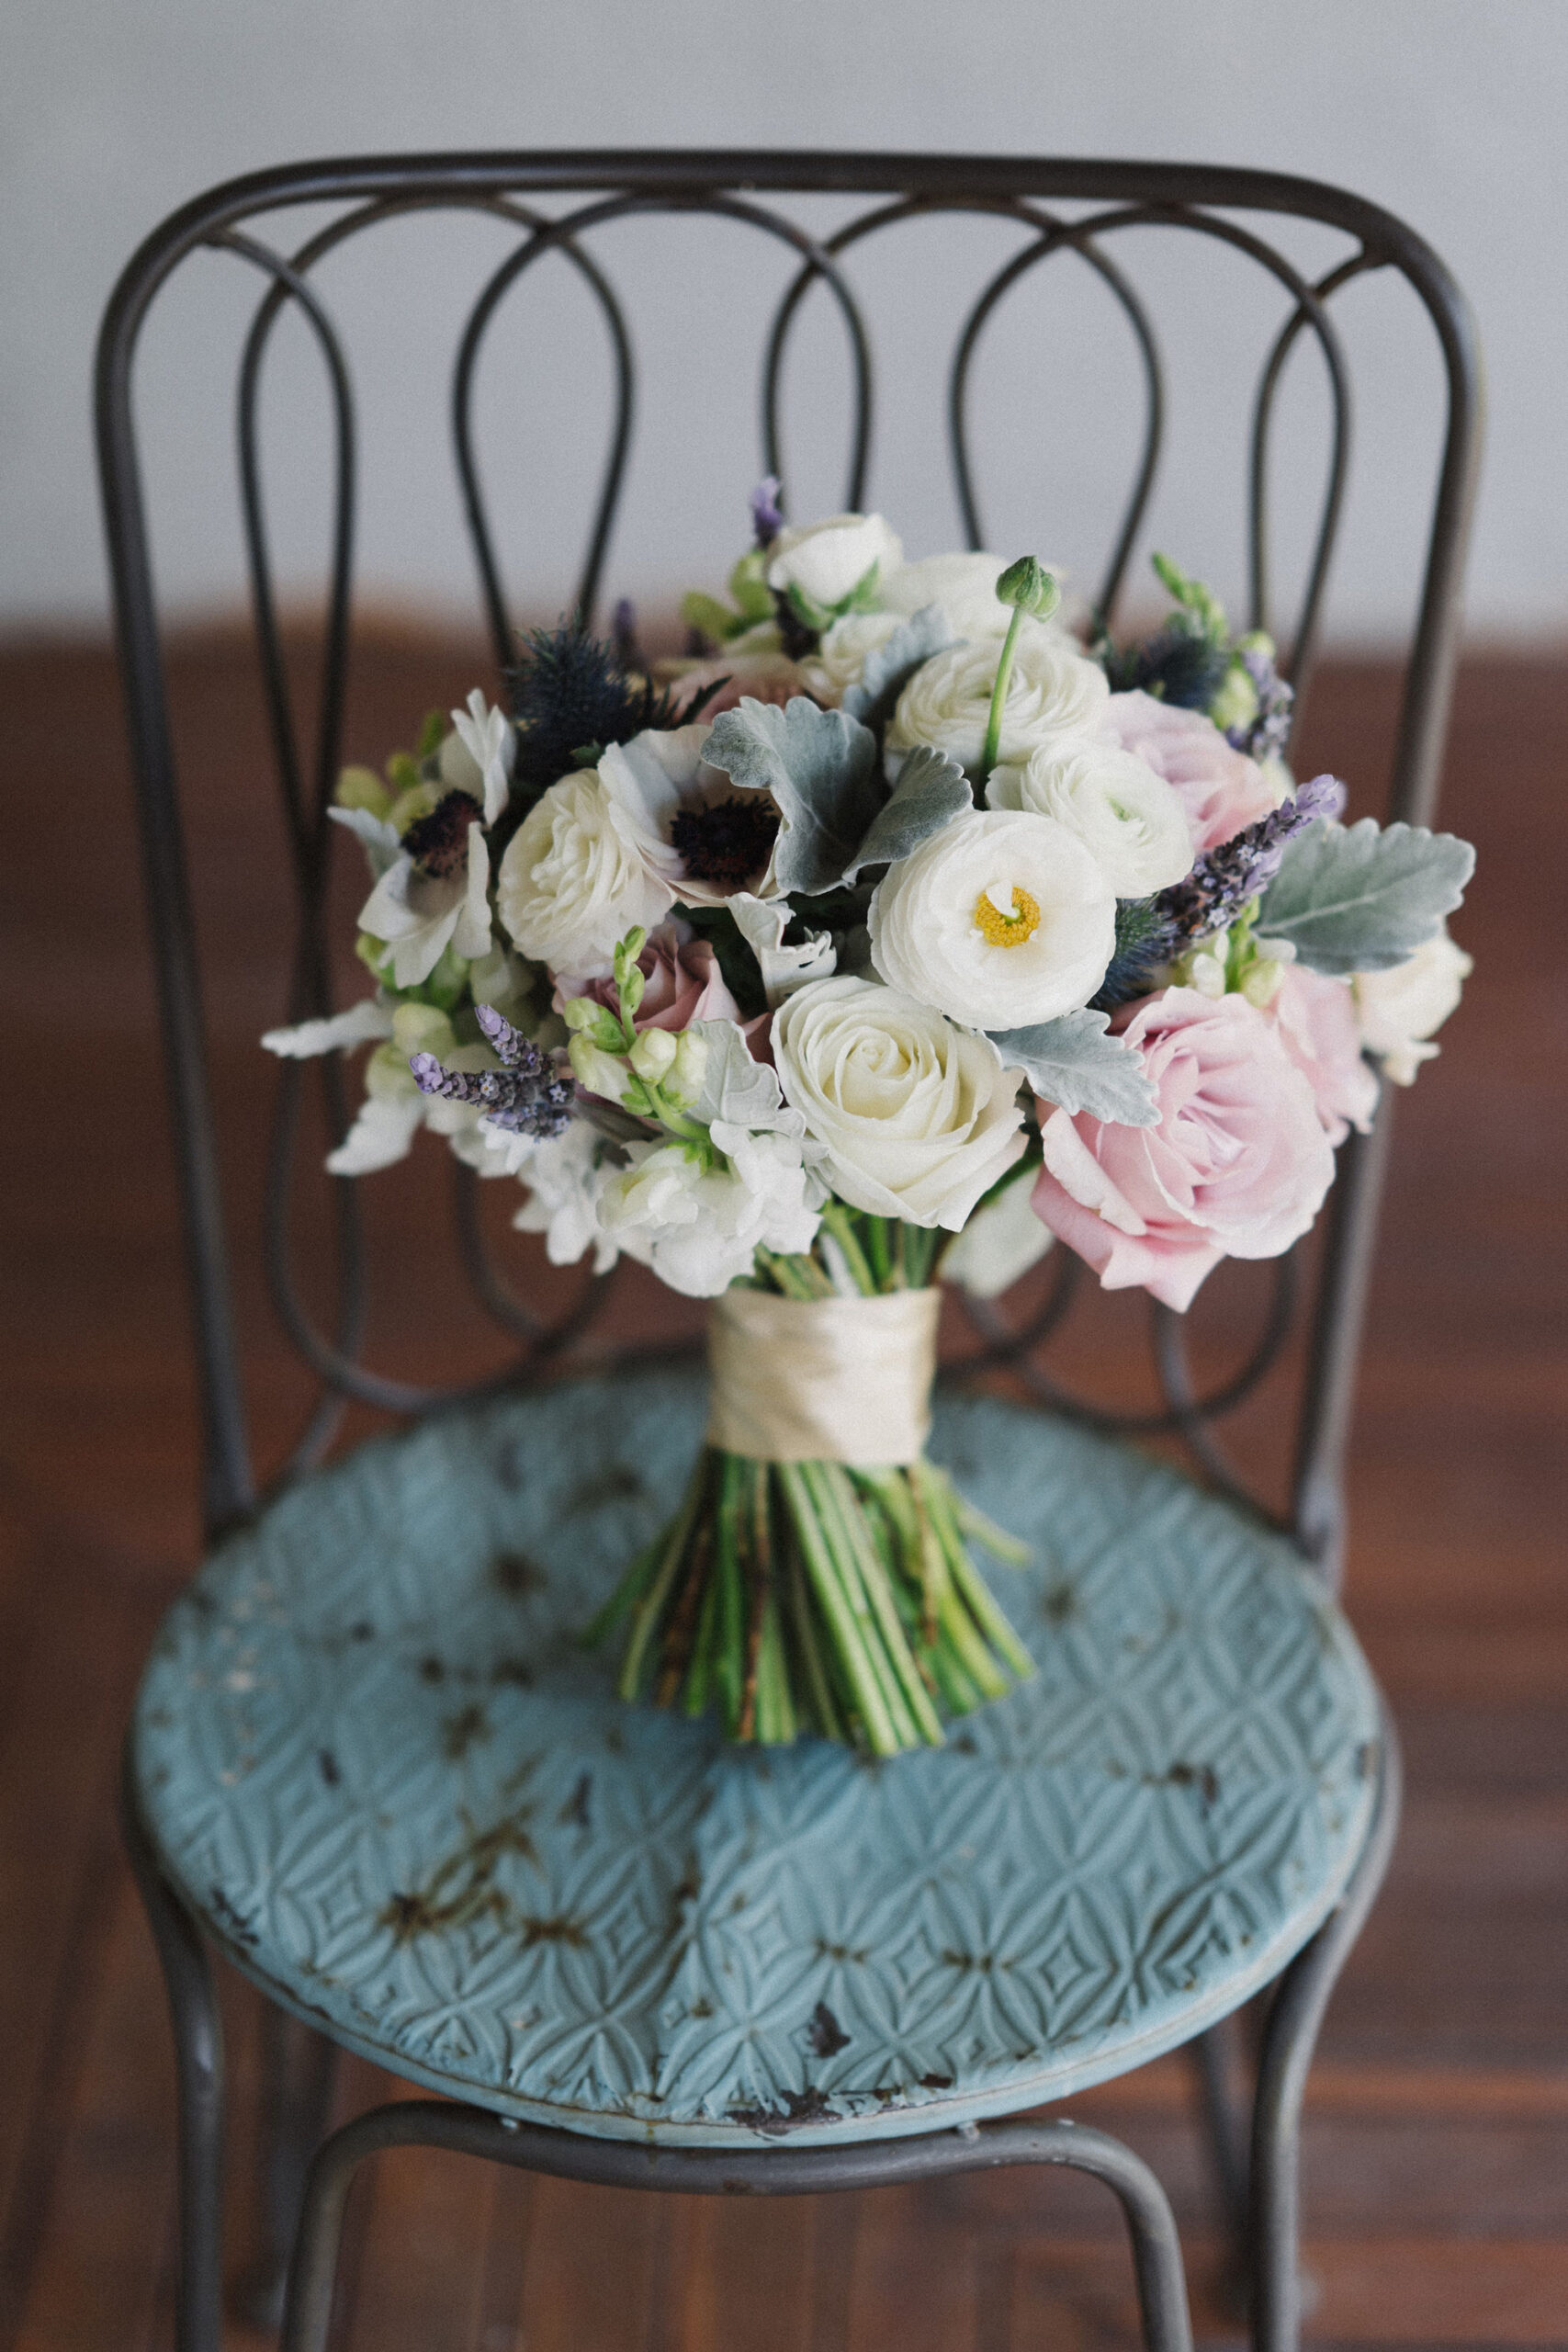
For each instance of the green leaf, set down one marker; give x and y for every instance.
(1362, 897)
(931, 790)
(1203, 607)
(820, 768)
(1071, 1062)
(888, 671)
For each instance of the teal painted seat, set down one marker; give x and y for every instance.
(384, 1774)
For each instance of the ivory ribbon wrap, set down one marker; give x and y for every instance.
(822, 1380)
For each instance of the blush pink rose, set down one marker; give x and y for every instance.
(1316, 1017)
(1219, 787)
(766, 677)
(685, 983)
(1236, 1166)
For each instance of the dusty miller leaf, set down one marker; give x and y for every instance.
(737, 1089)
(932, 790)
(1361, 897)
(887, 672)
(819, 766)
(1071, 1062)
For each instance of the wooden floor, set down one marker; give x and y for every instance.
(1436, 2162)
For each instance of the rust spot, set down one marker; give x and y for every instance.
(432, 1670)
(838, 1951)
(329, 1771)
(936, 2082)
(799, 2107)
(516, 1575)
(574, 1812)
(515, 1670)
(616, 1483)
(825, 2035)
(234, 1923)
(559, 1930)
(462, 1888)
(460, 1732)
(1202, 1777)
(1060, 1603)
(700, 2008)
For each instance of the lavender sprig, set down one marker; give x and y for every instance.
(767, 515)
(1265, 735)
(525, 1096)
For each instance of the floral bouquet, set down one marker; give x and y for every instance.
(893, 934)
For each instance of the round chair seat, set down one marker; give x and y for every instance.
(404, 1800)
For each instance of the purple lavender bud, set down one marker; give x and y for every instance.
(767, 515)
(527, 1097)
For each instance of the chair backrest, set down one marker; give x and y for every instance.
(559, 204)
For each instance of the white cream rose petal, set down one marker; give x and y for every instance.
(827, 560)
(1399, 1010)
(919, 1118)
(1001, 920)
(574, 879)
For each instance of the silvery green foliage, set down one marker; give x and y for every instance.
(1361, 897)
(932, 790)
(737, 1090)
(1071, 1062)
(888, 671)
(819, 766)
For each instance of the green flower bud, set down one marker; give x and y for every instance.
(362, 789)
(410, 806)
(600, 1072)
(422, 1029)
(1236, 702)
(586, 1019)
(748, 586)
(1031, 587)
(688, 1072)
(1260, 981)
(653, 1053)
(388, 1078)
(403, 772)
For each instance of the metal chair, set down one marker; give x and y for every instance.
(294, 1784)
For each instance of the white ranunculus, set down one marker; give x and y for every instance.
(420, 915)
(566, 1175)
(963, 587)
(1053, 693)
(574, 879)
(1399, 1010)
(827, 560)
(919, 1118)
(836, 666)
(1000, 919)
(1129, 818)
(998, 1245)
(661, 775)
(698, 1227)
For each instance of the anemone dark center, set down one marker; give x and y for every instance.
(729, 842)
(440, 841)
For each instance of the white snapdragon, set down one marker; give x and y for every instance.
(1399, 1010)
(919, 1118)
(1053, 693)
(1001, 920)
(574, 879)
(1129, 818)
(699, 1226)
(827, 560)
(566, 1176)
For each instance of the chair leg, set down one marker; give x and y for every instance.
(1215, 2059)
(1289, 2036)
(198, 2053)
(299, 2070)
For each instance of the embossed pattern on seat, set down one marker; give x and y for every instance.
(408, 1804)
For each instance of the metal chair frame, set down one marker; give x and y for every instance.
(595, 190)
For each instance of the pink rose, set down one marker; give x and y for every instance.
(1236, 1166)
(1316, 1020)
(766, 677)
(685, 983)
(1220, 788)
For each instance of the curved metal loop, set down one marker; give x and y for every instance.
(1061, 236)
(546, 238)
(514, 1314)
(1305, 646)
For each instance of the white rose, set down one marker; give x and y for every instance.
(998, 1245)
(1129, 818)
(827, 560)
(1000, 919)
(1053, 692)
(574, 879)
(1398, 1009)
(919, 1118)
(842, 656)
(963, 587)
(700, 1229)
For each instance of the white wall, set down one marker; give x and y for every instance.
(1448, 111)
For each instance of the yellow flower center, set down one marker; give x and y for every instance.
(1007, 918)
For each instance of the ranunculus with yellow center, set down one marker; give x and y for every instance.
(1053, 693)
(918, 1117)
(1001, 920)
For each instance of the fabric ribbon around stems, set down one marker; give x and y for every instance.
(822, 1380)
